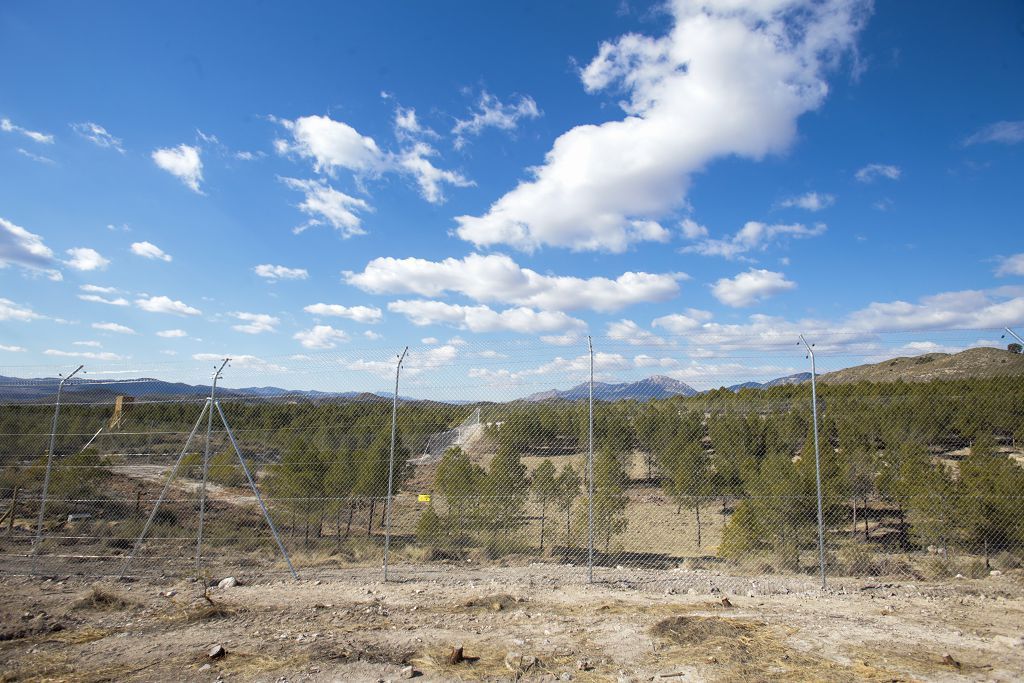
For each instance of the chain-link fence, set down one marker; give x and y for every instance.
(648, 455)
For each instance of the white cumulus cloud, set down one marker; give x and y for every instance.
(86, 259)
(360, 314)
(326, 205)
(490, 112)
(172, 334)
(88, 355)
(750, 287)
(485, 319)
(1011, 265)
(729, 79)
(26, 249)
(113, 327)
(871, 172)
(150, 251)
(97, 299)
(183, 162)
(753, 236)
(321, 337)
(272, 272)
(163, 304)
(497, 278)
(811, 201)
(255, 323)
(12, 311)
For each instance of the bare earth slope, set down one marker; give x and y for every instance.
(972, 363)
(354, 628)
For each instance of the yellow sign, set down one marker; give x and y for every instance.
(424, 497)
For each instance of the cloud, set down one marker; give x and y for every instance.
(485, 319)
(497, 278)
(88, 355)
(1011, 265)
(163, 304)
(577, 367)
(871, 172)
(97, 299)
(750, 287)
(334, 144)
(12, 349)
(8, 126)
(150, 251)
(321, 337)
(172, 334)
(96, 289)
(966, 309)
(754, 236)
(325, 204)
(360, 314)
(728, 80)
(490, 112)
(255, 323)
(39, 158)
(98, 135)
(240, 360)
(1003, 132)
(416, 362)
(429, 178)
(408, 126)
(86, 259)
(20, 247)
(92, 344)
(183, 162)
(113, 327)
(812, 201)
(631, 333)
(273, 273)
(331, 145)
(677, 323)
(12, 311)
(693, 230)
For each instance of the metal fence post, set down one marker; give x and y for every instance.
(590, 469)
(49, 467)
(206, 466)
(1014, 335)
(391, 463)
(255, 490)
(817, 460)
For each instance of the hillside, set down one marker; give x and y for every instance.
(655, 387)
(972, 363)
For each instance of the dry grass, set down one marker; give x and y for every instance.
(729, 649)
(99, 598)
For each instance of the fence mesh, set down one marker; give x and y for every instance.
(497, 461)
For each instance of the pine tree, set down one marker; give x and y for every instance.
(610, 499)
(686, 472)
(545, 490)
(568, 491)
(989, 509)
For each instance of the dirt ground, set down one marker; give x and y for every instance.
(630, 625)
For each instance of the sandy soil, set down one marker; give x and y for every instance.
(629, 625)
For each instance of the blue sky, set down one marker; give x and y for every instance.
(681, 180)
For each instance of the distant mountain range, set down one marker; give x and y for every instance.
(43, 389)
(654, 387)
(979, 362)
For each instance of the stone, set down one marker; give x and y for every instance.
(584, 665)
(407, 672)
(517, 662)
(229, 582)
(995, 572)
(204, 668)
(216, 652)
